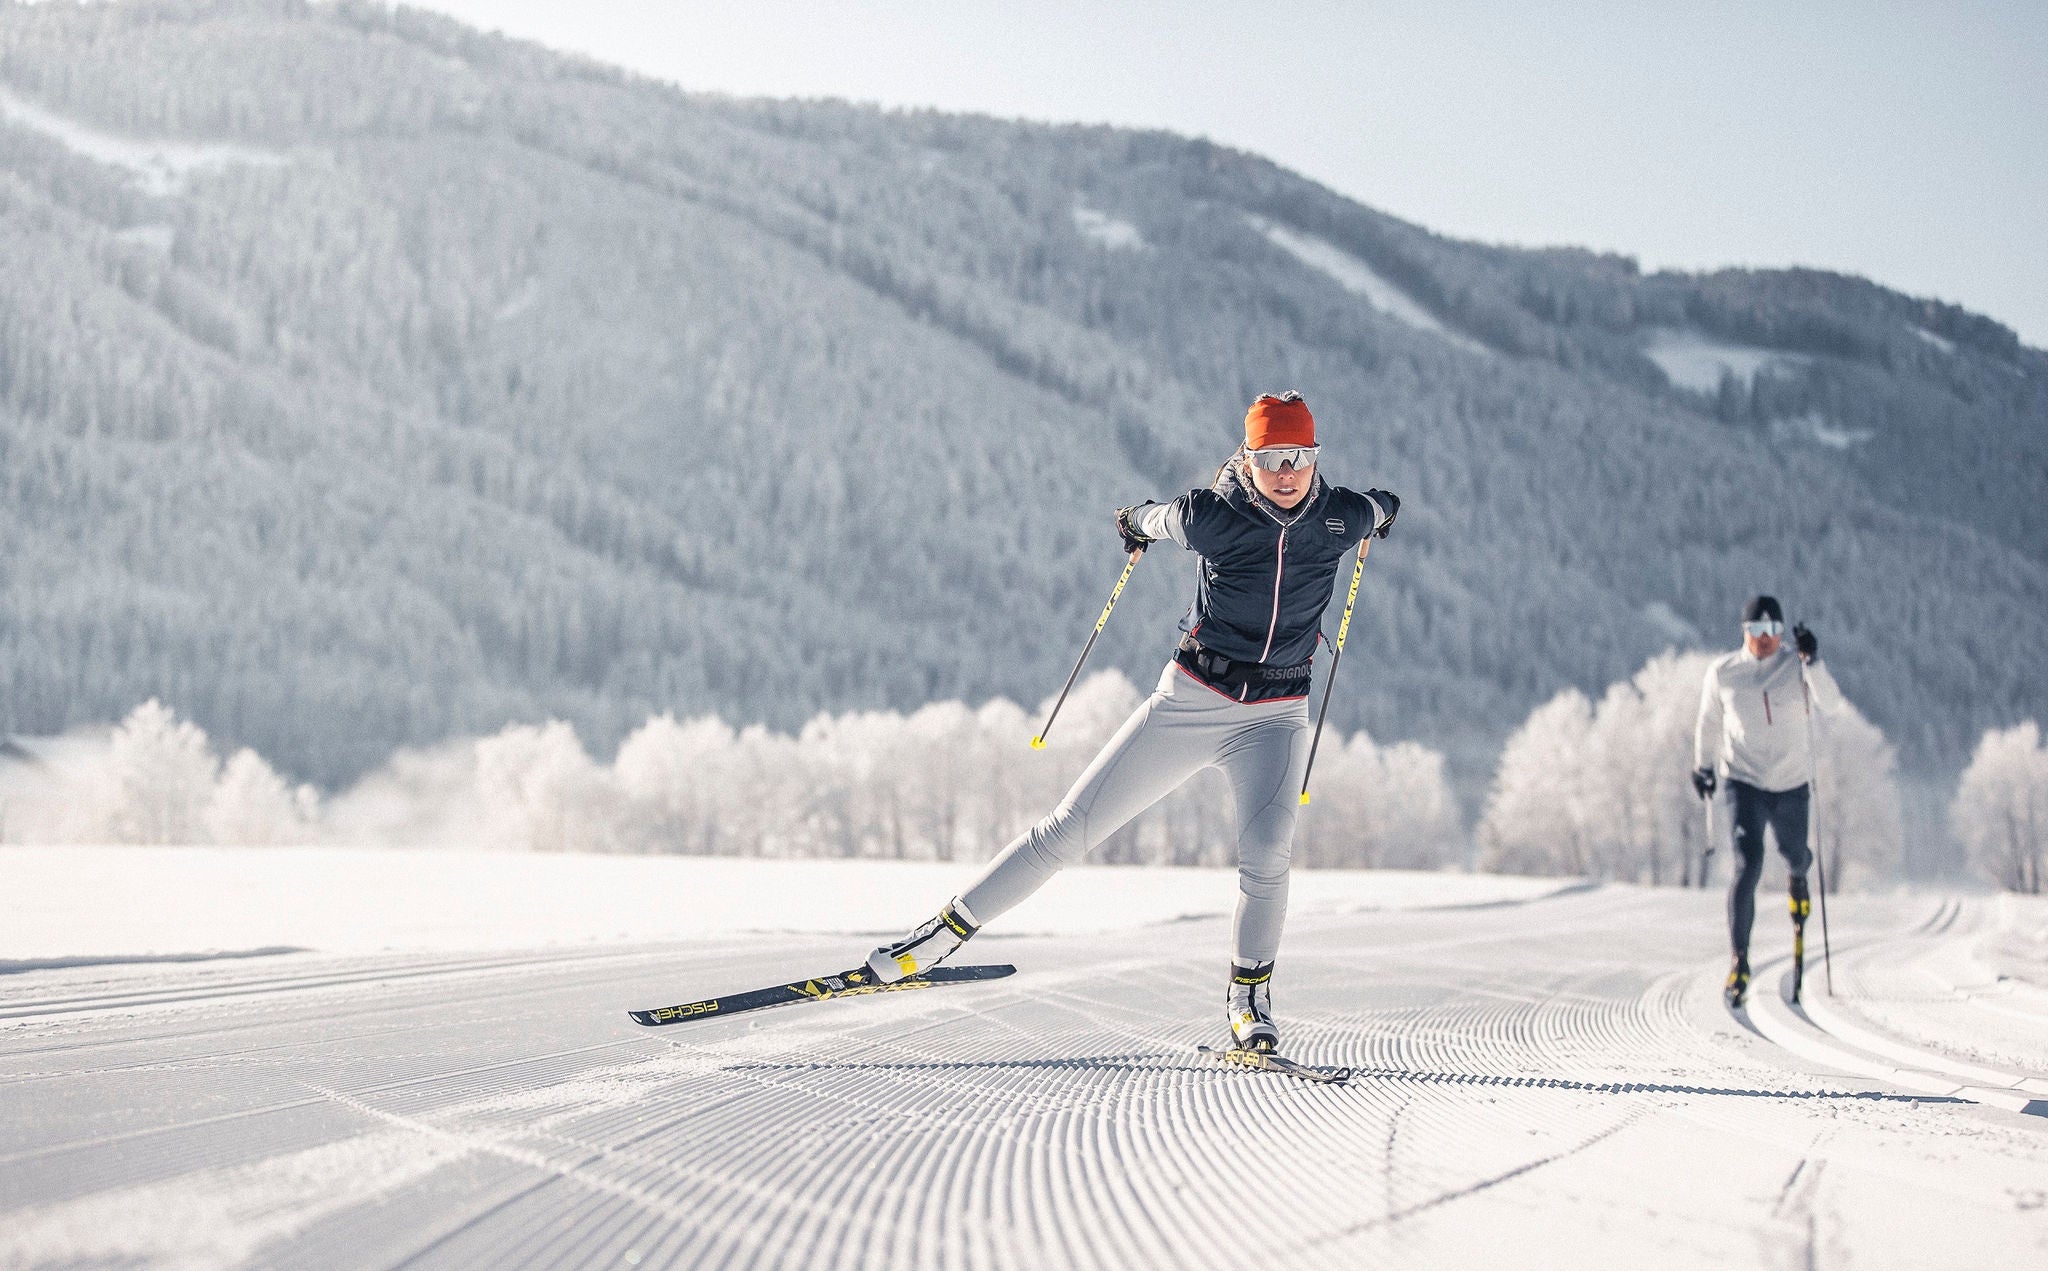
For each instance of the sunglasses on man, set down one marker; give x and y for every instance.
(1274, 458)
(1767, 627)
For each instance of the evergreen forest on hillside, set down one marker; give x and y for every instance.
(366, 380)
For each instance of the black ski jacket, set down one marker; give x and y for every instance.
(1266, 574)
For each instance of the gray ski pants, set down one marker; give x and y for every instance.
(1184, 727)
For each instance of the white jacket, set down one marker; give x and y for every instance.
(1753, 718)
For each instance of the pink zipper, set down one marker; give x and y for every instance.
(1279, 572)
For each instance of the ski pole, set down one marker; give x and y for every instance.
(1038, 742)
(1707, 855)
(1820, 855)
(1343, 629)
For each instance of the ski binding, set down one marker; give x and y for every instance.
(1267, 1061)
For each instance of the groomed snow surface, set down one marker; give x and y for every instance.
(312, 1058)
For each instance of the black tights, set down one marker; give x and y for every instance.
(1785, 812)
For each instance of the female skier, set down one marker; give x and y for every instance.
(1272, 535)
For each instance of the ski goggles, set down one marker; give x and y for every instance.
(1766, 627)
(1274, 458)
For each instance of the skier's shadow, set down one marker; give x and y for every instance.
(18, 966)
(1079, 1063)
(1494, 1080)
(1360, 1076)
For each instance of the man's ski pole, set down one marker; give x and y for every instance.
(1038, 742)
(1343, 629)
(1707, 854)
(1826, 957)
(1814, 831)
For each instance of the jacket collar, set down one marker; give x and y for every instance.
(1237, 490)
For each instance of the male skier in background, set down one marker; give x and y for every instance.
(1754, 730)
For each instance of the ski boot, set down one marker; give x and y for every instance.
(1801, 902)
(1249, 1007)
(1737, 991)
(925, 947)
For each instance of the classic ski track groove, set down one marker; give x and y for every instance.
(1058, 1117)
(1898, 1016)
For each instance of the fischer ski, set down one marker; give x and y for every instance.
(1800, 908)
(822, 988)
(1267, 1061)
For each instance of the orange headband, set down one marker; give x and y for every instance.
(1272, 422)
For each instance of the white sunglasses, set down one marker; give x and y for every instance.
(1274, 458)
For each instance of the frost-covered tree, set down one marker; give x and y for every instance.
(1601, 789)
(1538, 815)
(676, 779)
(1642, 747)
(1379, 807)
(2000, 812)
(1859, 826)
(537, 790)
(156, 780)
(944, 782)
(251, 805)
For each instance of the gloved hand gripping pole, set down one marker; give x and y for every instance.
(1038, 742)
(1343, 629)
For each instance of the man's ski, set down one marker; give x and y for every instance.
(1267, 1061)
(1798, 957)
(845, 984)
(1801, 906)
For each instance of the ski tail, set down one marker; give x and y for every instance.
(852, 983)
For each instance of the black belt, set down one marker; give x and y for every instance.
(1217, 669)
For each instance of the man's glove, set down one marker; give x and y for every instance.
(1808, 642)
(1391, 504)
(1133, 541)
(1703, 782)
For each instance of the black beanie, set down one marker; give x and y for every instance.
(1763, 607)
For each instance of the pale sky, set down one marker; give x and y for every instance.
(1907, 142)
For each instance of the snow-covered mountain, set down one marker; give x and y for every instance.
(365, 379)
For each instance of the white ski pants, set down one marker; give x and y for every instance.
(1184, 727)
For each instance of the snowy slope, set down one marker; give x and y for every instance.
(1544, 1082)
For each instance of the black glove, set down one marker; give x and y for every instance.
(1703, 782)
(1133, 541)
(1391, 504)
(1808, 642)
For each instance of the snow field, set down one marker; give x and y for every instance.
(87, 902)
(1543, 1081)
